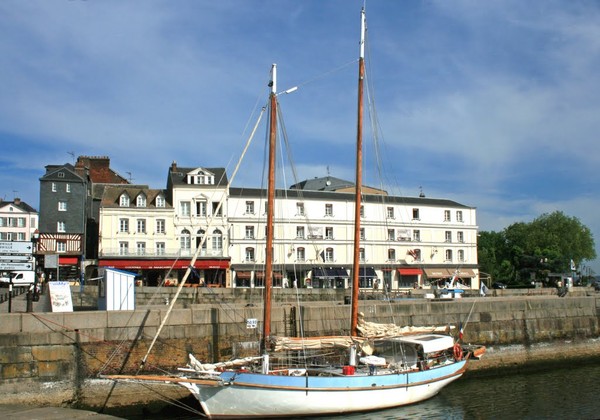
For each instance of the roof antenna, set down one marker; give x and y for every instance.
(72, 154)
(421, 194)
(130, 177)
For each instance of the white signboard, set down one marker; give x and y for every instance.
(16, 247)
(60, 296)
(16, 266)
(16, 258)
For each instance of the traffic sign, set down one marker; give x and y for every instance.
(16, 258)
(12, 266)
(16, 247)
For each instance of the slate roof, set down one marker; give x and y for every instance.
(112, 193)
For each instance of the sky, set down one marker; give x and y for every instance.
(495, 105)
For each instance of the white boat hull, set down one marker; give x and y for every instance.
(257, 395)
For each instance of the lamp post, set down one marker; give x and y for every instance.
(32, 292)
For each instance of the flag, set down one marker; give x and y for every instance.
(460, 332)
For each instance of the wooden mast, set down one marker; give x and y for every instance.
(358, 190)
(270, 209)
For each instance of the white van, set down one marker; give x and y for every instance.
(19, 278)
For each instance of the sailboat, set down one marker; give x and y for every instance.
(379, 370)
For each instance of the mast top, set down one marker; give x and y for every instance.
(273, 82)
(363, 29)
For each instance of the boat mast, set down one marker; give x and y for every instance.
(270, 209)
(358, 191)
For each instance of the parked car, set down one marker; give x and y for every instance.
(18, 278)
(498, 285)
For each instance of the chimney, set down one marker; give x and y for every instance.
(174, 166)
(17, 201)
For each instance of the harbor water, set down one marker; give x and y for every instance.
(554, 392)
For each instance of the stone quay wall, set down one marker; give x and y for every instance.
(50, 358)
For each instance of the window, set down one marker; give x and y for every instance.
(328, 232)
(249, 207)
(141, 248)
(448, 236)
(215, 206)
(21, 222)
(62, 206)
(391, 235)
(329, 210)
(329, 255)
(54, 187)
(184, 208)
(140, 201)
(460, 237)
(417, 235)
(300, 254)
(124, 225)
(299, 209)
(362, 234)
(160, 201)
(249, 255)
(185, 240)
(448, 255)
(123, 248)
(390, 212)
(446, 215)
(160, 226)
(68, 188)
(249, 232)
(217, 240)
(21, 236)
(160, 248)
(124, 200)
(417, 254)
(300, 232)
(61, 227)
(61, 174)
(415, 213)
(61, 246)
(461, 255)
(362, 211)
(361, 254)
(391, 255)
(201, 208)
(459, 216)
(141, 225)
(199, 238)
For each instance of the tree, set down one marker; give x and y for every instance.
(525, 250)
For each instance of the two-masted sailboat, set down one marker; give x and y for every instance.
(377, 373)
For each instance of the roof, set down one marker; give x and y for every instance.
(330, 183)
(112, 193)
(340, 196)
(177, 176)
(21, 205)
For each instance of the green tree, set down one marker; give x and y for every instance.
(525, 250)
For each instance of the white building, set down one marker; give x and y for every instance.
(406, 242)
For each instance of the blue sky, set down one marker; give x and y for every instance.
(494, 104)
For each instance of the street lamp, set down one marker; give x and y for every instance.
(32, 294)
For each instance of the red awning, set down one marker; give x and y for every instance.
(410, 271)
(164, 264)
(68, 260)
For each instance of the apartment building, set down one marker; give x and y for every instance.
(406, 242)
(18, 220)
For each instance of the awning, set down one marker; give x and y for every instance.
(261, 275)
(437, 273)
(410, 271)
(243, 275)
(341, 272)
(163, 264)
(68, 260)
(367, 272)
(318, 272)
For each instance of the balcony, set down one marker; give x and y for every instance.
(169, 253)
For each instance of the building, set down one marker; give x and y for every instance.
(18, 221)
(406, 242)
(68, 213)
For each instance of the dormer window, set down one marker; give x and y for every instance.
(124, 200)
(140, 200)
(200, 177)
(160, 201)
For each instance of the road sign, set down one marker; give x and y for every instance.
(11, 266)
(16, 247)
(16, 258)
